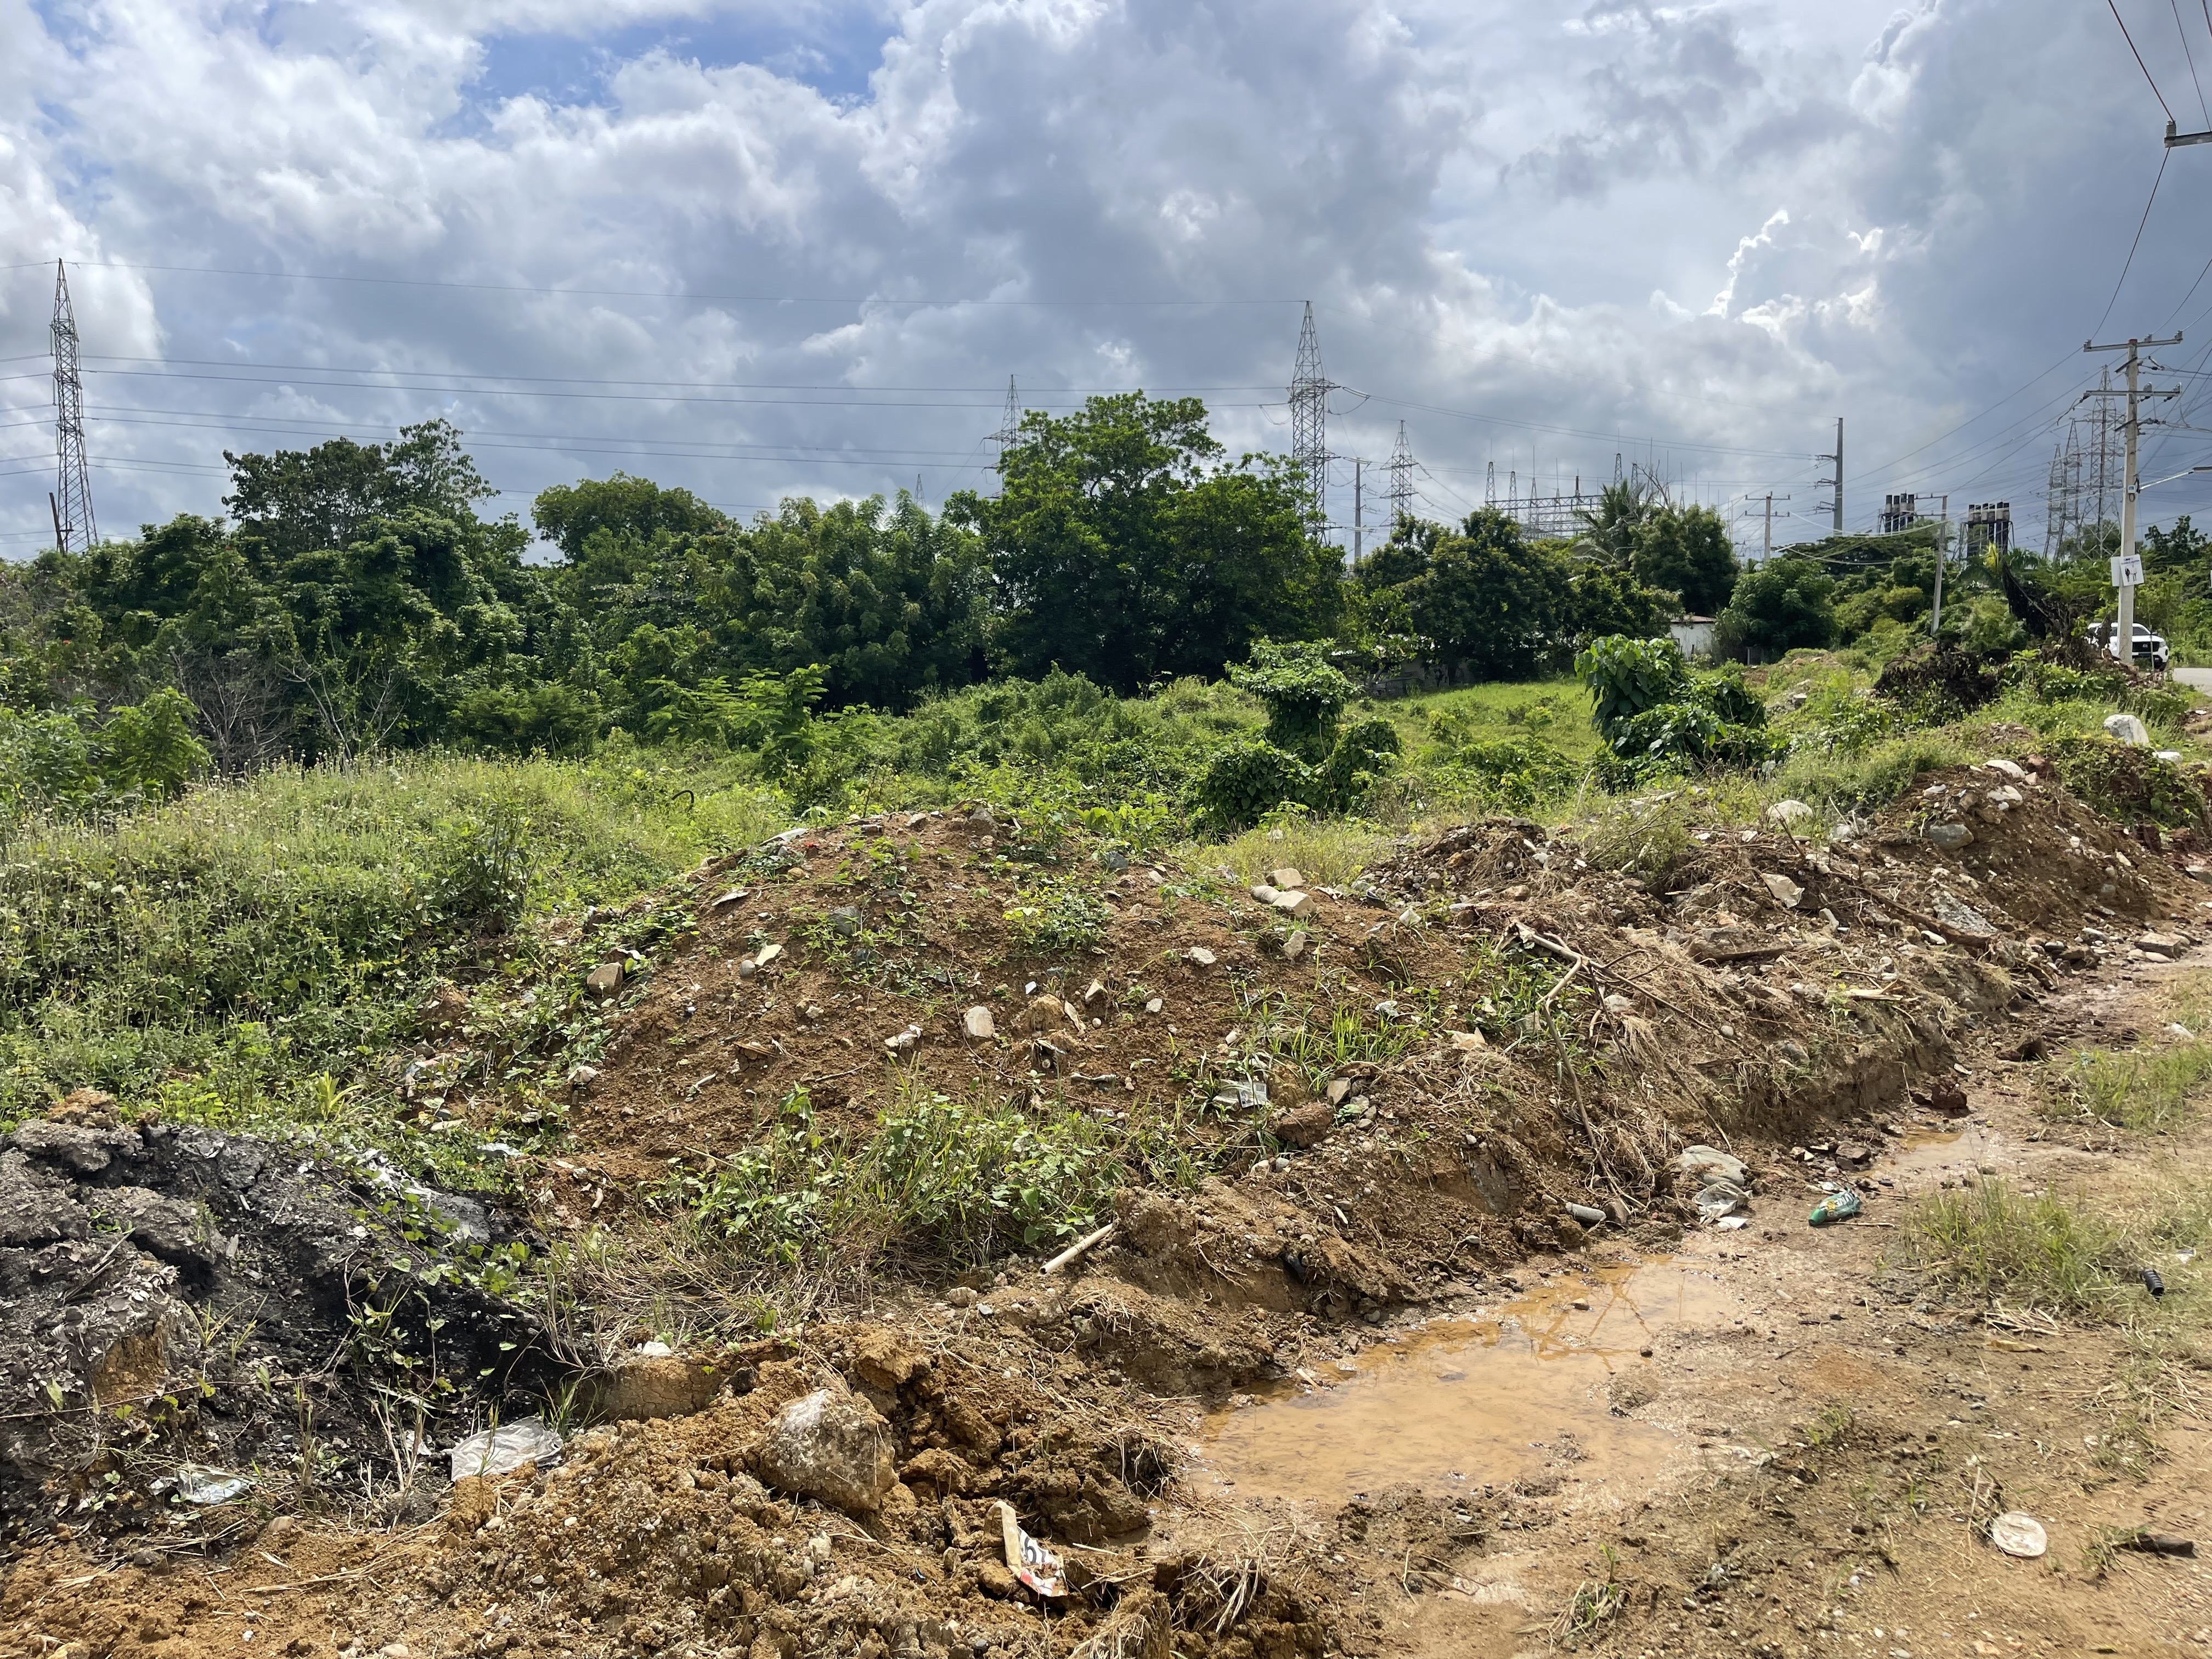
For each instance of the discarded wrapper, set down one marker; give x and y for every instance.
(509, 1446)
(2016, 1533)
(1029, 1561)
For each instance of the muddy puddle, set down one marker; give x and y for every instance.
(1461, 1404)
(1950, 1154)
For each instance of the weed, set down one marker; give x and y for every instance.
(1993, 1240)
(1057, 916)
(2140, 1088)
(952, 1182)
(1595, 1603)
(1830, 1428)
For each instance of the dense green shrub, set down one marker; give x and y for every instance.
(1625, 677)
(1302, 693)
(1518, 772)
(2127, 783)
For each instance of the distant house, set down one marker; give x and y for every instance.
(1693, 634)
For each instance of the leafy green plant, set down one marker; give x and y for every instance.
(1060, 915)
(1247, 781)
(2127, 783)
(1518, 772)
(1626, 676)
(952, 1182)
(1304, 694)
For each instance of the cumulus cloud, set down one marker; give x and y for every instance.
(758, 250)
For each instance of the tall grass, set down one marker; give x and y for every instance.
(250, 935)
(1991, 1239)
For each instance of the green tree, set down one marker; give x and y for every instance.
(1778, 606)
(1123, 547)
(1686, 551)
(613, 530)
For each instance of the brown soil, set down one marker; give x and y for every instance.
(1344, 1394)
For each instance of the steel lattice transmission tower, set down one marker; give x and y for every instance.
(71, 500)
(1309, 390)
(1010, 428)
(1401, 481)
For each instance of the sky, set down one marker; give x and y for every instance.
(762, 250)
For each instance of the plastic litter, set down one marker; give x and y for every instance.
(2153, 1281)
(209, 1486)
(1836, 1207)
(509, 1446)
(1034, 1563)
(1721, 1198)
(1585, 1214)
(2019, 1535)
(1728, 1224)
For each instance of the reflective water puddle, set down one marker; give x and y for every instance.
(1464, 1403)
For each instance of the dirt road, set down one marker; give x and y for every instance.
(1768, 1442)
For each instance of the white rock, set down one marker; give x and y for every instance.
(978, 1024)
(2012, 769)
(1785, 892)
(1787, 813)
(2129, 730)
(1265, 894)
(1200, 955)
(1294, 904)
(831, 1446)
(767, 953)
(1287, 878)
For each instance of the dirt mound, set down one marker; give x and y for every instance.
(663, 1537)
(188, 1304)
(1279, 1116)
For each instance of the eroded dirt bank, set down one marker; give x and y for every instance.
(1426, 1350)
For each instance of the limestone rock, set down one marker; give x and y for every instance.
(1709, 1163)
(1784, 891)
(1044, 1013)
(1784, 814)
(1287, 878)
(2129, 730)
(85, 1151)
(977, 1025)
(604, 979)
(832, 1446)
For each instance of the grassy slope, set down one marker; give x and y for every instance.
(253, 950)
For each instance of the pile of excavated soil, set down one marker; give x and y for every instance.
(1497, 1044)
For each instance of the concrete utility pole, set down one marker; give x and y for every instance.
(1942, 541)
(2127, 567)
(1358, 513)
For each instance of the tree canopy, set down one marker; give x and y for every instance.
(1124, 547)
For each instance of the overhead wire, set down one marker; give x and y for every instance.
(2140, 64)
(2189, 57)
(2128, 264)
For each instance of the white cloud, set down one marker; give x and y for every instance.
(1492, 206)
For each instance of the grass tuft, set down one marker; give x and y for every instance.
(1992, 1240)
